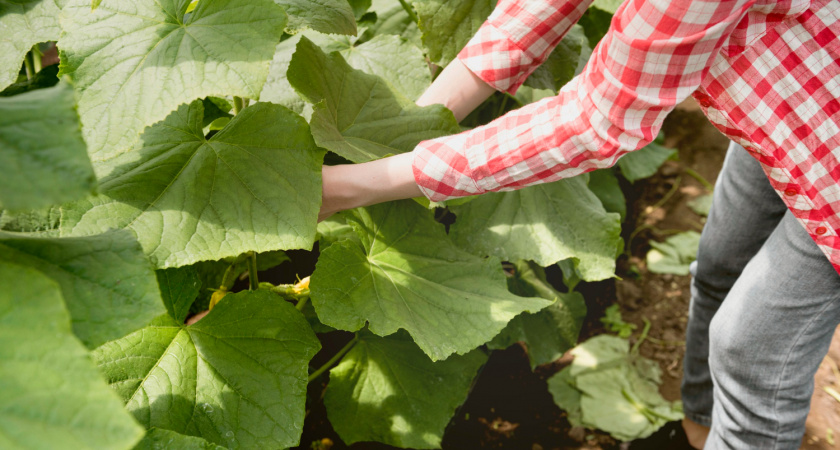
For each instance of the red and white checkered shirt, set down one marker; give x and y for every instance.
(765, 72)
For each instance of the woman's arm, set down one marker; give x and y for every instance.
(654, 56)
(539, 27)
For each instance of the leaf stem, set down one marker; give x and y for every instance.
(252, 271)
(238, 104)
(410, 11)
(334, 359)
(36, 58)
(301, 303)
(696, 175)
(642, 338)
(27, 64)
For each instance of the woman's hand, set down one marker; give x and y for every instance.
(353, 185)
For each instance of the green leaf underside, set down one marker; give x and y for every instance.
(407, 274)
(326, 16)
(608, 388)
(159, 439)
(51, 395)
(604, 184)
(391, 18)
(397, 62)
(42, 155)
(235, 378)
(387, 390)
(675, 254)
(644, 162)
(564, 62)
(24, 23)
(610, 6)
(108, 285)
(544, 223)
(549, 332)
(255, 185)
(134, 62)
(448, 25)
(360, 116)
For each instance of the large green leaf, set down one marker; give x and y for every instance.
(407, 274)
(134, 62)
(448, 25)
(255, 185)
(158, 439)
(51, 395)
(359, 116)
(24, 23)
(618, 390)
(396, 61)
(236, 378)
(107, 283)
(545, 223)
(42, 155)
(178, 289)
(326, 16)
(549, 332)
(392, 18)
(564, 62)
(387, 390)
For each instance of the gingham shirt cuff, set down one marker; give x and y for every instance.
(442, 171)
(492, 56)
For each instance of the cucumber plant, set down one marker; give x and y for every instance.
(179, 146)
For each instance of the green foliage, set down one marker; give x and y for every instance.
(675, 254)
(646, 161)
(42, 155)
(407, 274)
(24, 24)
(366, 122)
(610, 388)
(157, 439)
(701, 205)
(613, 321)
(549, 332)
(566, 61)
(546, 223)
(326, 16)
(195, 176)
(109, 288)
(387, 390)
(166, 189)
(236, 378)
(448, 25)
(133, 63)
(51, 395)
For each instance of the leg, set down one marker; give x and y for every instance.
(767, 341)
(744, 212)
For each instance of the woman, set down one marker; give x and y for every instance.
(766, 290)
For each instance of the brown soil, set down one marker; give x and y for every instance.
(510, 406)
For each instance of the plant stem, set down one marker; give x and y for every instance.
(642, 338)
(694, 174)
(252, 271)
(238, 105)
(333, 360)
(410, 11)
(36, 58)
(301, 303)
(502, 105)
(27, 64)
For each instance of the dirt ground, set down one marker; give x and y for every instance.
(510, 406)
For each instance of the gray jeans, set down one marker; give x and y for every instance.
(764, 305)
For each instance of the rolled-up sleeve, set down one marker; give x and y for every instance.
(654, 56)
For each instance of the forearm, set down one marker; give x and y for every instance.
(458, 89)
(353, 185)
